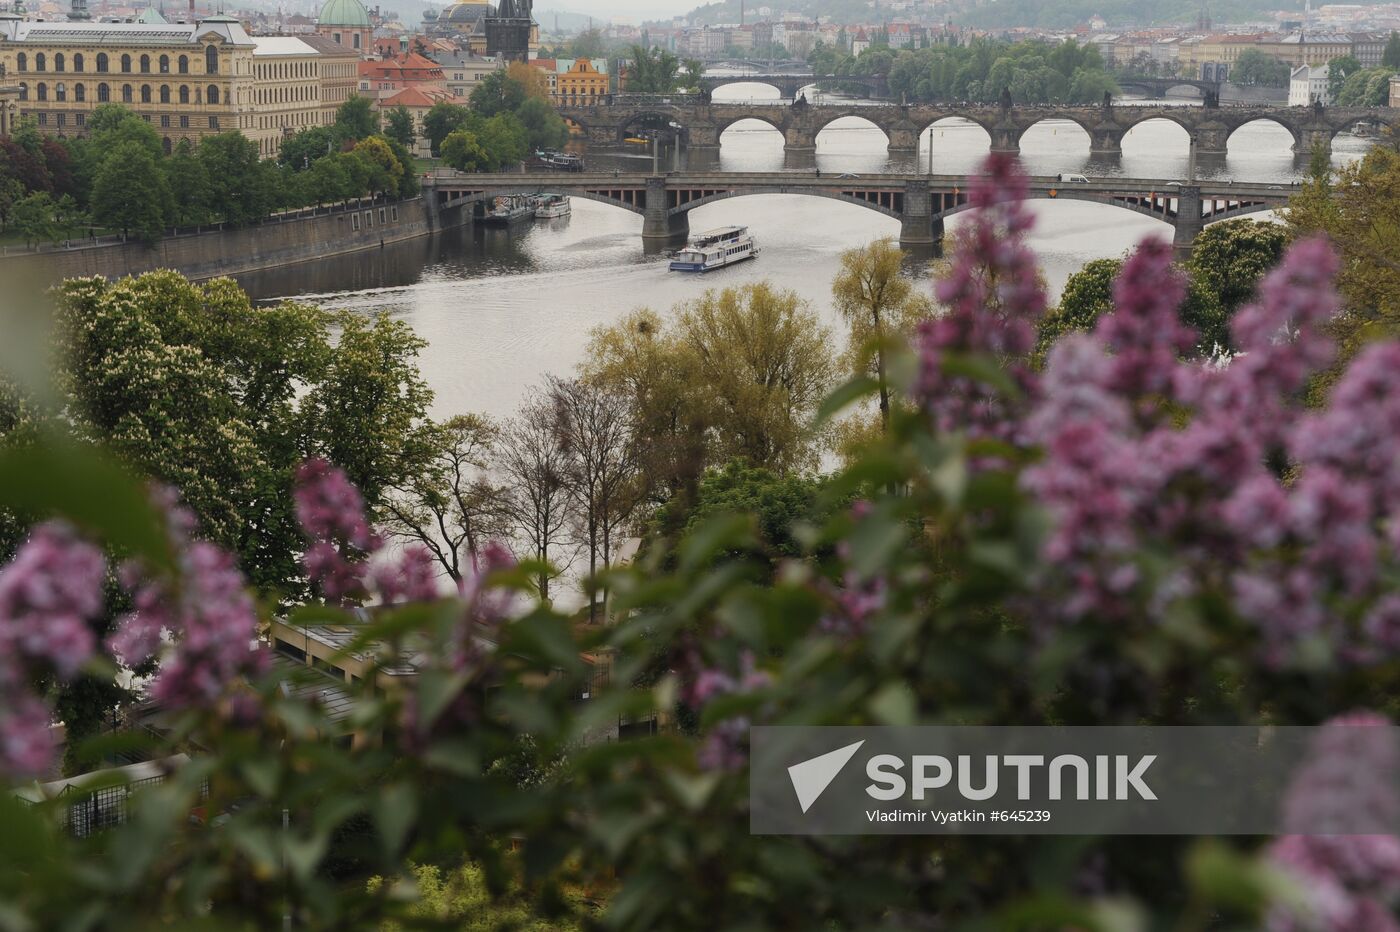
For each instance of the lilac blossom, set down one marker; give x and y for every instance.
(1144, 332)
(1350, 881)
(332, 514)
(725, 745)
(410, 578)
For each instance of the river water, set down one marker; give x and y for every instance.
(500, 309)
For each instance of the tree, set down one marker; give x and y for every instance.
(363, 412)
(300, 151)
(1230, 258)
(535, 502)
(355, 119)
(328, 181)
(1390, 58)
(399, 126)
(544, 128)
(1255, 67)
(1088, 295)
(497, 93)
(504, 140)
(762, 357)
(130, 193)
(1369, 87)
(531, 79)
(441, 121)
(186, 174)
(593, 427)
(449, 504)
(1338, 70)
(588, 44)
(32, 217)
(652, 71)
(694, 71)
(463, 151)
(878, 303)
(384, 171)
(242, 187)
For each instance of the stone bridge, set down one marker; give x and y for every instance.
(919, 202)
(790, 83)
(1158, 87)
(1209, 127)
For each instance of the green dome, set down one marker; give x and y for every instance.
(344, 13)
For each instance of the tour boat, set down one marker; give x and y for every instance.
(551, 206)
(715, 249)
(510, 208)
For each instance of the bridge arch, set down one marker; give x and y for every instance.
(886, 209)
(851, 114)
(486, 197)
(1266, 119)
(645, 119)
(715, 85)
(1133, 141)
(1032, 132)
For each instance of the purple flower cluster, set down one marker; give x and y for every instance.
(858, 599)
(993, 296)
(725, 746)
(206, 612)
(49, 594)
(1350, 881)
(332, 514)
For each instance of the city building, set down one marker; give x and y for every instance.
(381, 77)
(418, 101)
(1308, 85)
(347, 23)
(463, 71)
(188, 80)
(580, 81)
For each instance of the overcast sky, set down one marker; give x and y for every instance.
(630, 10)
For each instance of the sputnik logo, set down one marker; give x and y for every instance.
(811, 777)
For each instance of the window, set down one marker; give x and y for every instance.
(126, 64)
(184, 122)
(184, 94)
(126, 93)
(41, 91)
(80, 93)
(145, 93)
(104, 93)
(165, 143)
(22, 63)
(39, 62)
(102, 62)
(394, 214)
(43, 119)
(58, 62)
(165, 121)
(355, 221)
(381, 216)
(78, 62)
(61, 119)
(165, 64)
(369, 218)
(60, 92)
(212, 95)
(165, 93)
(80, 119)
(145, 64)
(184, 64)
(357, 40)
(213, 122)
(289, 650)
(211, 59)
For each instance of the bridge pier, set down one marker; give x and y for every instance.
(918, 228)
(1311, 138)
(903, 139)
(1212, 140)
(1006, 140)
(799, 139)
(659, 226)
(1106, 140)
(1189, 222)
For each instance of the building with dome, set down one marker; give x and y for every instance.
(346, 23)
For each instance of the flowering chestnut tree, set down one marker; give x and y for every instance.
(1124, 537)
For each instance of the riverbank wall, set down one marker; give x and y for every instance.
(278, 241)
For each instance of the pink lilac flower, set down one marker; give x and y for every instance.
(1144, 332)
(410, 578)
(1350, 881)
(725, 744)
(49, 593)
(27, 747)
(332, 514)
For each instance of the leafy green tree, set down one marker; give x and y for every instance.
(131, 193)
(300, 150)
(440, 121)
(384, 170)
(652, 71)
(1230, 258)
(544, 128)
(504, 139)
(399, 126)
(1390, 58)
(1088, 295)
(1338, 70)
(242, 187)
(355, 119)
(463, 151)
(186, 174)
(588, 44)
(11, 192)
(1369, 87)
(32, 217)
(497, 93)
(328, 182)
(1255, 67)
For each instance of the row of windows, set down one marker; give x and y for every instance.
(60, 120)
(286, 95)
(293, 69)
(182, 63)
(369, 218)
(128, 94)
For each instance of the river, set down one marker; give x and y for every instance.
(501, 309)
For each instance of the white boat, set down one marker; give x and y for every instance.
(715, 249)
(552, 205)
(510, 208)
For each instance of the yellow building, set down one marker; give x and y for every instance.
(297, 85)
(580, 82)
(186, 80)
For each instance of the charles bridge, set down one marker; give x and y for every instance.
(920, 203)
(702, 122)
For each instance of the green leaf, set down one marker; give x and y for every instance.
(544, 639)
(692, 790)
(395, 810)
(58, 477)
(844, 396)
(984, 369)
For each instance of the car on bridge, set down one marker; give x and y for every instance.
(1070, 178)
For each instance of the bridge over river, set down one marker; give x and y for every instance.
(1210, 128)
(920, 203)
